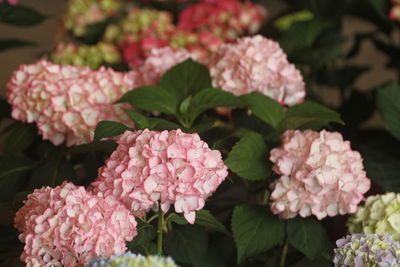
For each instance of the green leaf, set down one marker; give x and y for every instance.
(264, 108)
(177, 219)
(6, 44)
(20, 15)
(109, 129)
(186, 243)
(146, 233)
(211, 98)
(19, 138)
(249, 157)
(308, 115)
(143, 122)
(152, 98)
(206, 219)
(106, 146)
(186, 78)
(388, 103)
(308, 236)
(14, 173)
(5, 109)
(255, 230)
(52, 173)
(184, 106)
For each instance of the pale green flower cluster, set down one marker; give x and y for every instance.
(132, 260)
(379, 215)
(86, 55)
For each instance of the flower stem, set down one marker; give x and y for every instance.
(160, 231)
(283, 255)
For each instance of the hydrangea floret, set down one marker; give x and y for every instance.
(380, 214)
(367, 250)
(257, 64)
(151, 168)
(67, 102)
(129, 259)
(68, 226)
(320, 175)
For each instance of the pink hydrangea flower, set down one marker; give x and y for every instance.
(257, 64)
(66, 102)
(67, 226)
(159, 61)
(321, 175)
(151, 168)
(227, 19)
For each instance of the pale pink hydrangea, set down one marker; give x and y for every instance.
(68, 226)
(159, 61)
(66, 102)
(321, 175)
(151, 168)
(257, 64)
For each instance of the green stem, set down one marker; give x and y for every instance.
(283, 255)
(160, 231)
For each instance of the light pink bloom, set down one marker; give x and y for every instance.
(151, 168)
(159, 61)
(257, 64)
(67, 226)
(321, 175)
(66, 102)
(11, 2)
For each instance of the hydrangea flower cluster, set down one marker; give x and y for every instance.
(367, 250)
(394, 13)
(227, 19)
(67, 226)
(82, 13)
(86, 55)
(132, 260)
(168, 167)
(257, 64)
(159, 61)
(66, 102)
(379, 215)
(321, 175)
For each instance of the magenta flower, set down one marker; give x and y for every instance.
(67, 226)
(151, 168)
(321, 175)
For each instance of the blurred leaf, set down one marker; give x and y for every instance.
(391, 51)
(151, 98)
(388, 104)
(5, 109)
(186, 243)
(308, 236)
(146, 233)
(108, 129)
(359, 38)
(341, 77)
(381, 7)
(14, 173)
(20, 15)
(106, 146)
(255, 230)
(363, 102)
(308, 115)
(19, 138)
(185, 79)
(52, 173)
(206, 219)
(249, 157)
(381, 158)
(143, 122)
(6, 44)
(264, 108)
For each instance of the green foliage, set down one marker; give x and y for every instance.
(255, 230)
(308, 236)
(143, 122)
(108, 129)
(388, 106)
(249, 158)
(6, 44)
(19, 138)
(308, 115)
